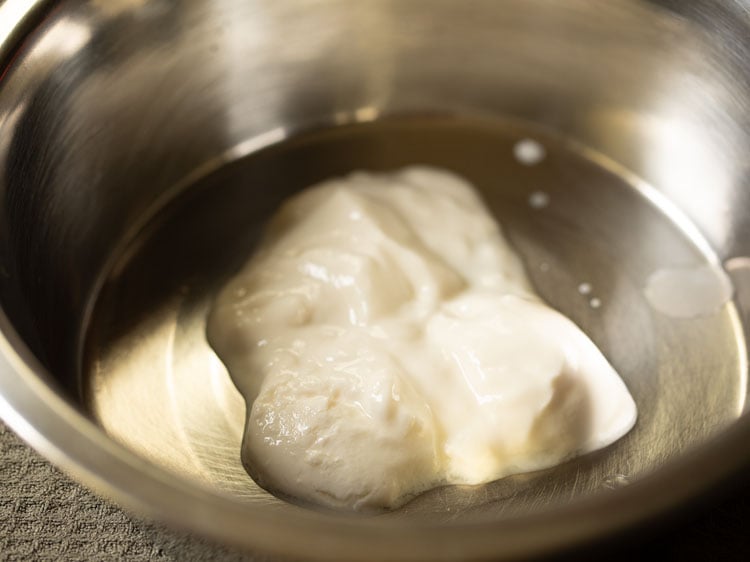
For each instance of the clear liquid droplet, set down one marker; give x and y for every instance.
(529, 152)
(688, 292)
(538, 200)
(585, 288)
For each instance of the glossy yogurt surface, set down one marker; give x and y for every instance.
(387, 341)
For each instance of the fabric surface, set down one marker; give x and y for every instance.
(46, 516)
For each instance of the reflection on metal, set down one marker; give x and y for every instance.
(64, 39)
(16, 16)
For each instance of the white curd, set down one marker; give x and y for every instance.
(387, 341)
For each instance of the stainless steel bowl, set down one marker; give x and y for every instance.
(143, 142)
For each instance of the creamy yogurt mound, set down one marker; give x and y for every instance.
(387, 341)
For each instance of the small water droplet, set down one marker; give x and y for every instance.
(688, 291)
(538, 199)
(595, 303)
(584, 288)
(529, 152)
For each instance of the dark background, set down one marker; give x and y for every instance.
(46, 516)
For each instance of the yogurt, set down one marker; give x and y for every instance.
(387, 341)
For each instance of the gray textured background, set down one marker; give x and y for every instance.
(46, 516)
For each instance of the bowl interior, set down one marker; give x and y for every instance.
(152, 381)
